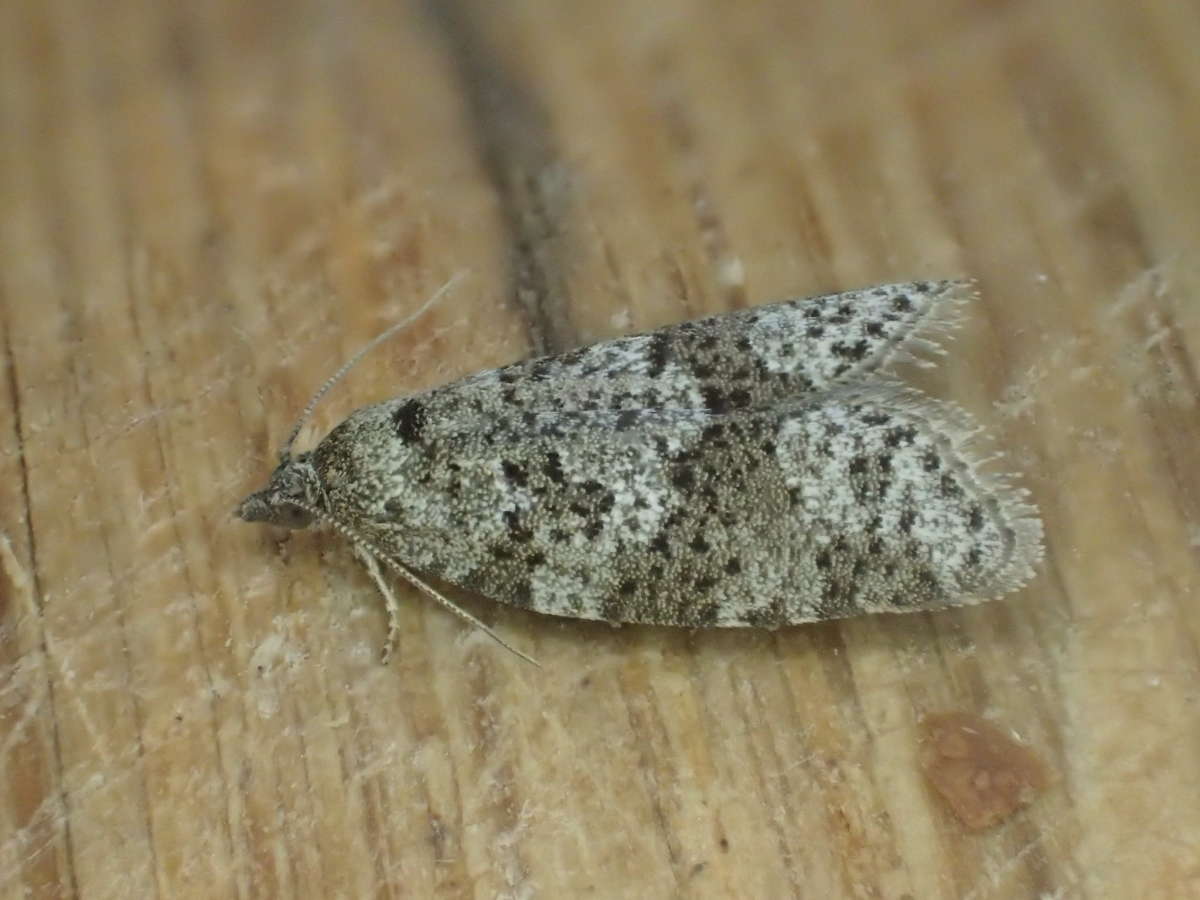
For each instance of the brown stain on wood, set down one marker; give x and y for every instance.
(982, 774)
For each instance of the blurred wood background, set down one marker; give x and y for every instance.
(206, 207)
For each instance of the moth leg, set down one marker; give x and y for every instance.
(389, 600)
(371, 559)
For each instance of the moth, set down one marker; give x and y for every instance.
(758, 468)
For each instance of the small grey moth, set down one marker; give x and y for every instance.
(756, 468)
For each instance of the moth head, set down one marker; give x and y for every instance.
(290, 499)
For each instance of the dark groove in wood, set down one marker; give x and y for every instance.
(517, 151)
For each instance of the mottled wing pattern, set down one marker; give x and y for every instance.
(752, 357)
(860, 499)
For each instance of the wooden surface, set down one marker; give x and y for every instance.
(206, 207)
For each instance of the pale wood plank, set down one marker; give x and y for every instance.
(204, 208)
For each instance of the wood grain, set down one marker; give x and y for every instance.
(206, 207)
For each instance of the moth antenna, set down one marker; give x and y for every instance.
(337, 376)
(365, 547)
